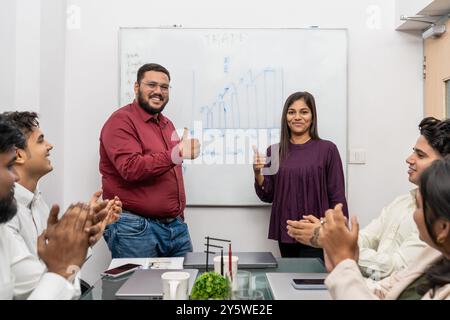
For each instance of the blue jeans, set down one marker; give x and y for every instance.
(133, 236)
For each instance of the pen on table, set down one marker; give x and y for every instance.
(230, 265)
(221, 262)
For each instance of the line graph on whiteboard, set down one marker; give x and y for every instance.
(253, 100)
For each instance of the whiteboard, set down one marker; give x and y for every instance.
(228, 86)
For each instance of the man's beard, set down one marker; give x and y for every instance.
(8, 207)
(146, 105)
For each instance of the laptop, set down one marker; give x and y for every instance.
(281, 287)
(146, 284)
(247, 260)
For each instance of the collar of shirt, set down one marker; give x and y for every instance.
(25, 196)
(413, 192)
(145, 116)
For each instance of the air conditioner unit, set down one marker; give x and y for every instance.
(434, 31)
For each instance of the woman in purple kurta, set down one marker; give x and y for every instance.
(304, 176)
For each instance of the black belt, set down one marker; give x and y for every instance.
(164, 220)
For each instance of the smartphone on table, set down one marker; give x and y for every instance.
(309, 284)
(121, 270)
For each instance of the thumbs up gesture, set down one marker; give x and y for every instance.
(259, 160)
(189, 148)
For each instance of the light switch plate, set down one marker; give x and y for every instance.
(357, 156)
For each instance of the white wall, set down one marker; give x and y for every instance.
(27, 54)
(7, 53)
(32, 53)
(52, 92)
(385, 95)
(19, 54)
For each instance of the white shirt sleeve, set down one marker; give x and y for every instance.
(391, 241)
(379, 265)
(370, 259)
(369, 237)
(53, 286)
(31, 279)
(346, 282)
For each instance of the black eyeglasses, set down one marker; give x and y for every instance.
(153, 85)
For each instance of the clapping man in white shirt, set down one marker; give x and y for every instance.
(33, 163)
(62, 246)
(391, 241)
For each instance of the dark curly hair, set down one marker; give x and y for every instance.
(25, 121)
(437, 133)
(10, 136)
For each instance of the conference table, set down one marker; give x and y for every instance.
(105, 288)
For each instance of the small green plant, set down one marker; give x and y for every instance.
(210, 285)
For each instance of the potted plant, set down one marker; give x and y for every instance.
(211, 285)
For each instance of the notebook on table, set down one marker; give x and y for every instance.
(247, 260)
(146, 284)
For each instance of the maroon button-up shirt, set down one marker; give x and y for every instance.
(136, 163)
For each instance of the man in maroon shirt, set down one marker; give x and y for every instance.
(140, 161)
